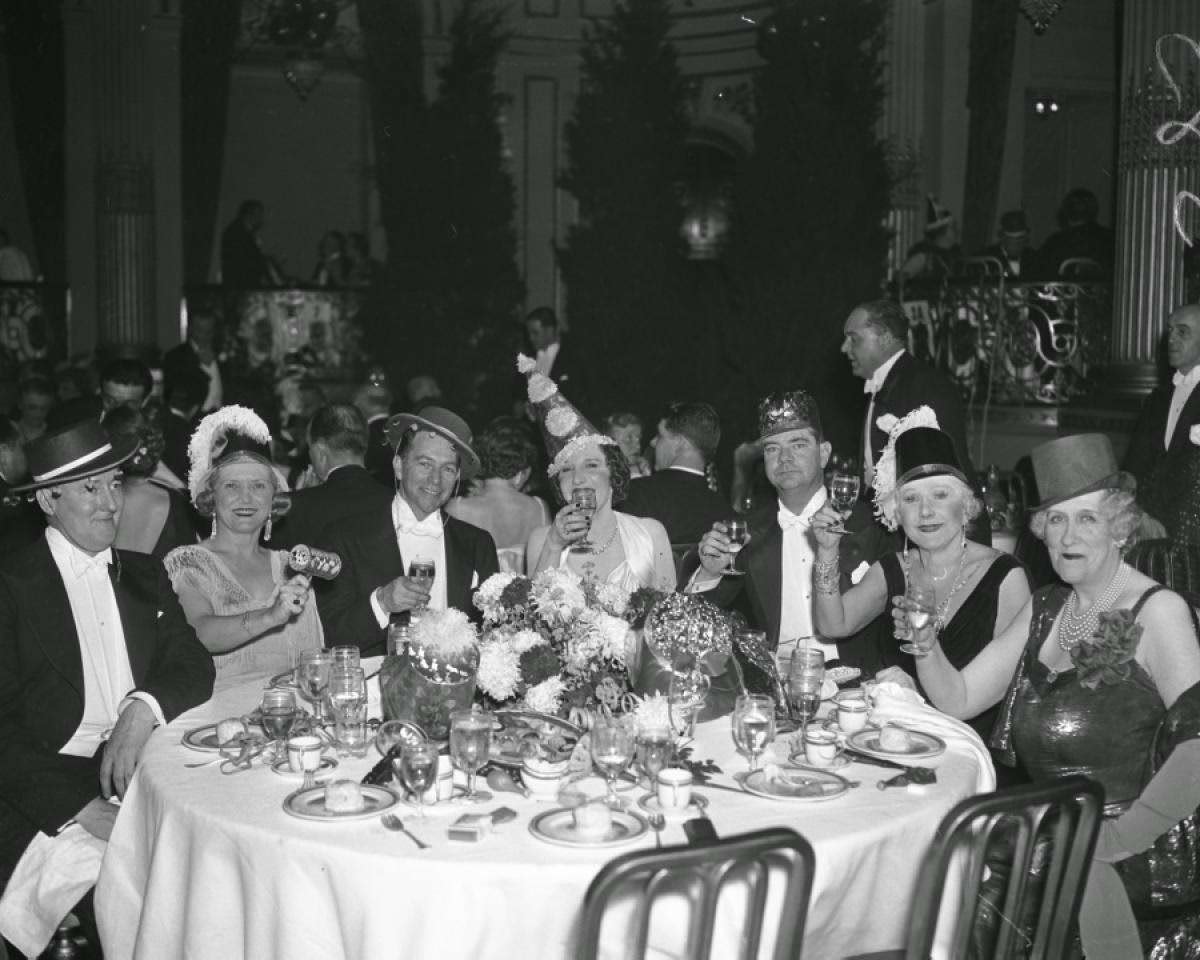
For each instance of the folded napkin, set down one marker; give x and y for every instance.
(893, 701)
(51, 877)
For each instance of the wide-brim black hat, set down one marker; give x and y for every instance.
(926, 452)
(73, 453)
(444, 423)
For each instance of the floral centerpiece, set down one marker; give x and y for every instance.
(436, 675)
(556, 643)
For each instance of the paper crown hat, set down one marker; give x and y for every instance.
(1072, 466)
(73, 453)
(224, 436)
(787, 410)
(926, 452)
(936, 216)
(564, 429)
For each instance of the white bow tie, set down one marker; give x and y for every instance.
(1178, 378)
(870, 386)
(82, 565)
(431, 527)
(787, 520)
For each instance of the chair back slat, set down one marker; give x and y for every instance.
(1034, 845)
(703, 873)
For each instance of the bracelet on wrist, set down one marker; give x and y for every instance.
(826, 578)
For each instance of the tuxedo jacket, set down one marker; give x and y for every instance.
(177, 434)
(680, 501)
(317, 512)
(371, 558)
(1164, 471)
(42, 687)
(379, 454)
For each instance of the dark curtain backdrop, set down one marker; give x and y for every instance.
(993, 41)
(33, 48)
(210, 29)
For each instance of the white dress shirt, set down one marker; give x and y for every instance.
(545, 359)
(107, 676)
(418, 540)
(216, 390)
(1185, 383)
(872, 385)
(795, 594)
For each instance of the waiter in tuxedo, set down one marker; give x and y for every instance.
(95, 652)
(1162, 454)
(432, 454)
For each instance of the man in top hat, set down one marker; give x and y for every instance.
(1013, 250)
(95, 652)
(432, 454)
(773, 583)
(1162, 454)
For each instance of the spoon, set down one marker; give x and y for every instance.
(658, 822)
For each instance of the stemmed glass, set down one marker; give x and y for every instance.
(470, 745)
(583, 499)
(806, 675)
(312, 678)
(612, 752)
(416, 768)
(279, 713)
(654, 750)
(844, 488)
(920, 604)
(753, 725)
(348, 697)
(345, 656)
(423, 571)
(686, 695)
(738, 533)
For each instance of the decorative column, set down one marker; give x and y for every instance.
(1158, 180)
(902, 125)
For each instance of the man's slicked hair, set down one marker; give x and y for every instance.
(699, 423)
(887, 315)
(341, 427)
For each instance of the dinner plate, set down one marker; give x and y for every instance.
(283, 769)
(805, 784)
(695, 809)
(204, 739)
(519, 726)
(558, 827)
(310, 804)
(920, 745)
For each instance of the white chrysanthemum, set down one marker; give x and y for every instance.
(561, 421)
(208, 440)
(885, 470)
(585, 643)
(447, 632)
(613, 632)
(546, 697)
(487, 597)
(653, 713)
(614, 598)
(499, 669)
(524, 640)
(557, 595)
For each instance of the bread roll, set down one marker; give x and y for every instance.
(893, 738)
(344, 796)
(593, 820)
(230, 729)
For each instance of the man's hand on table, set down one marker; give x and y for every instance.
(129, 736)
(98, 817)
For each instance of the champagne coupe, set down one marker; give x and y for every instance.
(806, 675)
(423, 571)
(470, 744)
(416, 768)
(612, 752)
(279, 713)
(654, 750)
(312, 677)
(844, 488)
(753, 725)
(738, 533)
(920, 603)
(584, 501)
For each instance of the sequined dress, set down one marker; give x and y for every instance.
(1118, 734)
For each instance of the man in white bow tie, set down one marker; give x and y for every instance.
(382, 554)
(1163, 454)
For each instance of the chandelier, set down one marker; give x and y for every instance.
(301, 28)
(1041, 12)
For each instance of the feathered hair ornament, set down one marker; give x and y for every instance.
(221, 436)
(885, 470)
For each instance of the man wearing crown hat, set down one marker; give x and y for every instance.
(432, 454)
(95, 652)
(939, 254)
(774, 589)
(1016, 256)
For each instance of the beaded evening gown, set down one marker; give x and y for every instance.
(1118, 734)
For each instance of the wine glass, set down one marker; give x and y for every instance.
(279, 713)
(654, 750)
(806, 675)
(753, 725)
(738, 533)
(584, 501)
(612, 752)
(416, 768)
(312, 678)
(423, 571)
(686, 695)
(844, 488)
(470, 745)
(920, 604)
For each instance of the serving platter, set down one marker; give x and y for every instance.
(554, 737)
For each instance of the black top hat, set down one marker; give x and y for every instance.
(72, 453)
(926, 452)
(1013, 224)
(441, 421)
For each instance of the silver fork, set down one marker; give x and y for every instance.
(393, 822)
(657, 822)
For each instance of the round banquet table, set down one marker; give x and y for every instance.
(203, 864)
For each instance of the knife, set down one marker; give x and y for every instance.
(877, 761)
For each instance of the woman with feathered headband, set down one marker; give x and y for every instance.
(233, 589)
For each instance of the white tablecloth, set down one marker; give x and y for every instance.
(203, 865)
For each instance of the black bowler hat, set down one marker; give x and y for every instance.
(80, 450)
(926, 452)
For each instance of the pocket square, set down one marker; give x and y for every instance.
(474, 579)
(158, 615)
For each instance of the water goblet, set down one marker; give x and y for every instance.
(348, 698)
(920, 604)
(753, 725)
(806, 675)
(654, 747)
(470, 745)
(844, 488)
(345, 656)
(416, 768)
(612, 752)
(312, 678)
(686, 695)
(279, 714)
(738, 532)
(583, 499)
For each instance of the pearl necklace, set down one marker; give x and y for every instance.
(1076, 627)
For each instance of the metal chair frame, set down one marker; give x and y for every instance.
(970, 827)
(705, 869)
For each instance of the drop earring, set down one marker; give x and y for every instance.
(214, 528)
(267, 531)
(906, 549)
